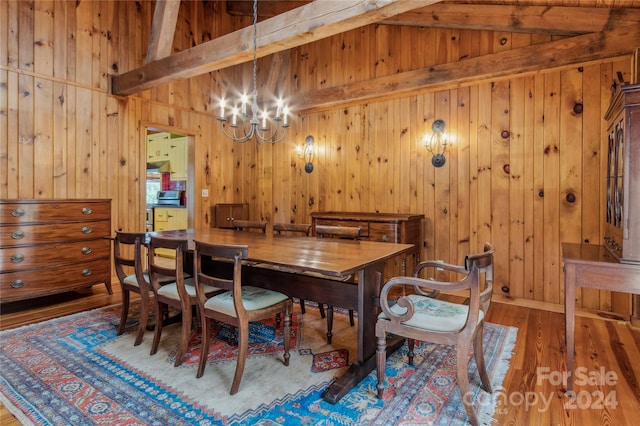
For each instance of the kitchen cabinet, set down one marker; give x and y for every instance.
(225, 214)
(158, 147)
(169, 218)
(53, 246)
(178, 148)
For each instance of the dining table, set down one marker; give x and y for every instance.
(314, 269)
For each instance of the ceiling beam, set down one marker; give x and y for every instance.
(163, 28)
(556, 20)
(573, 50)
(305, 24)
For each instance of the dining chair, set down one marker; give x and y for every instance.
(293, 229)
(238, 306)
(127, 253)
(418, 316)
(344, 232)
(180, 293)
(250, 225)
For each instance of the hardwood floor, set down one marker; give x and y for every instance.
(533, 394)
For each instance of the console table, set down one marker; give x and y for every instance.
(405, 228)
(592, 266)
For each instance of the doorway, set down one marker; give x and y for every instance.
(168, 176)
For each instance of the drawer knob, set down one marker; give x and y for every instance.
(17, 212)
(86, 272)
(17, 258)
(86, 210)
(17, 284)
(86, 250)
(86, 229)
(17, 235)
(384, 239)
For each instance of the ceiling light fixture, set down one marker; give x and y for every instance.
(244, 128)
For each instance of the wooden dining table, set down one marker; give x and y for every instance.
(312, 269)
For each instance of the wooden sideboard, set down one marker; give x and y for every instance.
(405, 228)
(53, 246)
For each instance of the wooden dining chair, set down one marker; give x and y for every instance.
(250, 225)
(238, 306)
(127, 253)
(421, 317)
(344, 232)
(180, 293)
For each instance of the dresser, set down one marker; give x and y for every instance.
(53, 246)
(405, 228)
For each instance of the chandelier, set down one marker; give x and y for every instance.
(244, 128)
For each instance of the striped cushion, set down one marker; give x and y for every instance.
(171, 290)
(253, 298)
(433, 314)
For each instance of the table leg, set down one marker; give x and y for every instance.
(570, 319)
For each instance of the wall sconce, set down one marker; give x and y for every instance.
(437, 143)
(306, 153)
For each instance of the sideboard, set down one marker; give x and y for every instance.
(52, 246)
(404, 228)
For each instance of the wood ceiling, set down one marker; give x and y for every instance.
(591, 30)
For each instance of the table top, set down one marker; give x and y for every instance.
(329, 256)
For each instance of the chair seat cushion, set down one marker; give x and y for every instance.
(253, 298)
(433, 314)
(131, 279)
(171, 290)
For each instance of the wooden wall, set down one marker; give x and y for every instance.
(524, 171)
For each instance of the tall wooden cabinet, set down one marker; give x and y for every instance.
(622, 227)
(53, 246)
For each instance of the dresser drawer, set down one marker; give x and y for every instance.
(40, 282)
(385, 232)
(16, 235)
(25, 211)
(364, 234)
(21, 258)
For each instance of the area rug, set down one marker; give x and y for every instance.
(75, 370)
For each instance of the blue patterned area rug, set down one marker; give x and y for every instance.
(75, 370)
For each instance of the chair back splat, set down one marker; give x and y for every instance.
(420, 316)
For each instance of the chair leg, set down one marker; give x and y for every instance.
(144, 319)
(329, 323)
(411, 343)
(184, 336)
(462, 360)
(478, 353)
(302, 306)
(351, 321)
(204, 350)
(124, 312)
(158, 328)
(321, 309)
(287, 336)
(381, 360)
(243, 344)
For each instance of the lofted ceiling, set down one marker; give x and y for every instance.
(588, 29)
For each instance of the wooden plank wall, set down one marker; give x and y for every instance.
(524, 169)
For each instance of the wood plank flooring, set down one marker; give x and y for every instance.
(607, 362)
